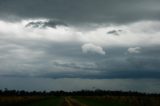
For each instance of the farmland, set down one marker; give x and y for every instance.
(79, 101)
(78, 98)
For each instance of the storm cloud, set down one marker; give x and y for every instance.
(94, 40)
(83, 11)
(45, 23)
(67, 52)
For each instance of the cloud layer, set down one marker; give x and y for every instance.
(58, 42)
(90, 11)
(71, 52)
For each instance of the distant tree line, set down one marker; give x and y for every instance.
(97, 92)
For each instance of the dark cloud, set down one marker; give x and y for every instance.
(44, 24)
(75, 11)
(65, 60)
(134, 74)
(114, 32)
(51, 57)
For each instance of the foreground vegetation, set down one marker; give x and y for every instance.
(31, 100)
(78, 98)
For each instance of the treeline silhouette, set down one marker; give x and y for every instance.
(97, 92)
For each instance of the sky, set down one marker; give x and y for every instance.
(80, 44)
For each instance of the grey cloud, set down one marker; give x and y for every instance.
(83, 11)
(82, 66)
(114, 32)
(44, 24)
(134, 50)
(53, 64)
(141, 85)
(44, 58)
(143, 65)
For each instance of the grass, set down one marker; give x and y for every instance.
(99, 102)
(119, 100)
(51, 101)
(79, 101)
(30, 101)
(11, 100)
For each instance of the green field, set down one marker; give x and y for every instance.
(79, 101)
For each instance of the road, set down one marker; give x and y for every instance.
(68, 101)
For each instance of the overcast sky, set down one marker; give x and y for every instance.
(103, 44)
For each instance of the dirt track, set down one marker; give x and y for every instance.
(68, 101)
